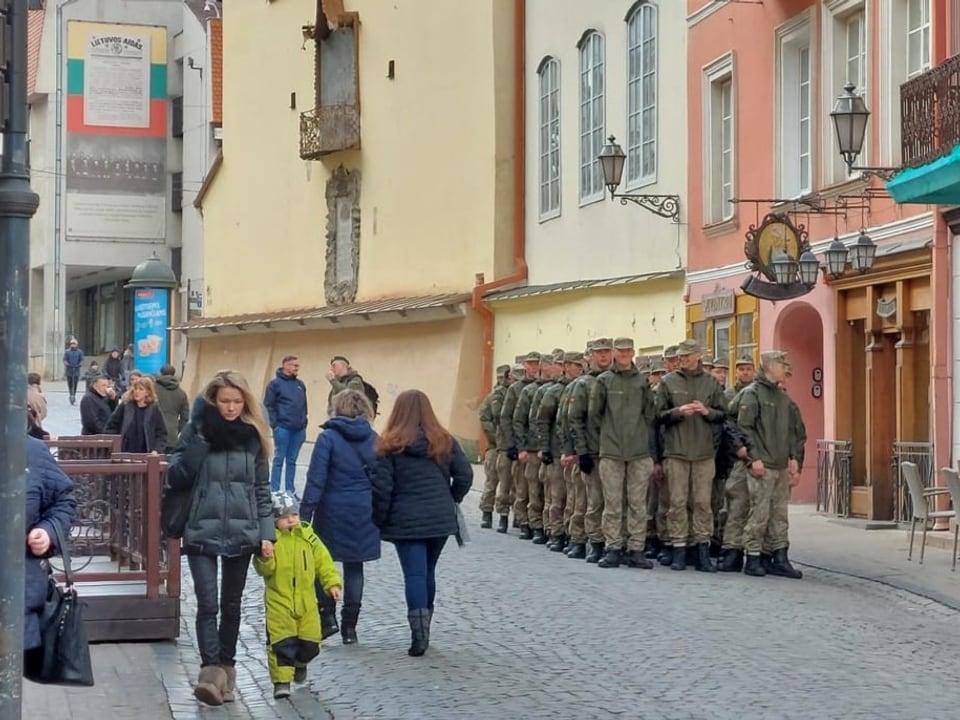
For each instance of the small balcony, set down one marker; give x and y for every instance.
(329, 129)
(930, 114)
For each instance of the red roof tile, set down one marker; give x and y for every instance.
(216, 63)
(35, 20)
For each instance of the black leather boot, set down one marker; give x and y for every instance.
(781, 567)
(502, 527)
(638, 559)
(765, 560)
(552, 541)
(487, 521)
(731, 560)
(595, 552)
(666, 555)
(651, 548)
(679, 558)
(539, 538)
(692, 555)
(525, 532)
(611, 558)
(578, 551)
(419, 620)
(704, 562)
(348, 623)
(754, 567)
(328, 623)
(559, 543)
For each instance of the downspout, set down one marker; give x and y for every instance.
(519, 273)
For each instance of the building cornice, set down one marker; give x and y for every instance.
(706, 11)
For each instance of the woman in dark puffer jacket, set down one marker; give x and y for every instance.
(221, 458)
(421, 476)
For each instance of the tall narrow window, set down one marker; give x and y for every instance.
(855, 61)
(795, 96)
(918, 37)
(725, 125)
(642, 95)
(591, 116)
(803, 126)
(549, 138)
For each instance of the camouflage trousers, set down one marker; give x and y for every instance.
(690, 481)
(534, 488)
(658, 504)
(577, 504)
(738, 507)
(556, 492)
(571, 498)
(767, 527)
(593, 512)
(628, 478)
(490, 480)
(505, 484)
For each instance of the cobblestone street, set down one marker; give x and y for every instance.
(521, 632)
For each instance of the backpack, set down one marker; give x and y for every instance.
(372, 395)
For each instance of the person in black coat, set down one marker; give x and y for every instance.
(49, 502)
(95, 407)
(138, 420)
(421, 476)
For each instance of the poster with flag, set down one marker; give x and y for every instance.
(116, 142)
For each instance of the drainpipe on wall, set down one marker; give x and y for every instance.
(519, 273)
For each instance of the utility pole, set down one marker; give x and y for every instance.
(17, 205)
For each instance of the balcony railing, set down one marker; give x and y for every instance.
(930, 114)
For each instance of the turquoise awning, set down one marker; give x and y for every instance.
(936, 183)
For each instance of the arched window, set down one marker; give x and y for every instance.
(549, 76)
(641, 95)
(592, 115)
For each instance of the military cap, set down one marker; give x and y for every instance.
(589, 346)
(556, 357)
(546, 357)
(519, 371)
(623, 343)
(573, 357)
(502, 370)
(719, 362)
(603, 343)
(670, 352)
(687, 347)
(658, 368)
(772, 356)
(532, 356)
(743, 360)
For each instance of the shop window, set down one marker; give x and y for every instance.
(727, 337)
(746, 343)
(721, 337)
(699, 333)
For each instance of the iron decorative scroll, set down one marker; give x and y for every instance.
(666, 206)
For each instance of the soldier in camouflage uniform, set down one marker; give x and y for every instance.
(658, 493)
(720, 371)
(573, 365)
(735, 490)
(623, 402)
(551, 450)
(529, 462)
(585, 431)
(551, 368)
(508, 457)
(489, 419)
(670, 359)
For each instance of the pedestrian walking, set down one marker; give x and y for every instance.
(338, 501)
(96, 407)
(299, 559)
(138, 421)
(72, 363)
(36, 400)
(173, 403)
(422, 475)
(221, 457)
(113, 369)
(286, 402)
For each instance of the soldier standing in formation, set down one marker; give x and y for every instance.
(489, 421)
(508, 454)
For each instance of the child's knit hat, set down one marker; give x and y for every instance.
(284, 504)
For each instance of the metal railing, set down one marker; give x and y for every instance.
(834, 461)
(920, 453)
(85, 447)
(930, 113)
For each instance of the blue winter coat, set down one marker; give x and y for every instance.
(72, 361)
(338, 497)
(286, 402)
(50, 500)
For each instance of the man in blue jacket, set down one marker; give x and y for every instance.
(72, 363)
(286, 403)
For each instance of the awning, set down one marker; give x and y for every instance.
(936, 183)
(385, 311)
(535, 290)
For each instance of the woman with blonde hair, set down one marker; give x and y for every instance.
(221, 459)
(338, 501)
(138, 420)
(421, 476)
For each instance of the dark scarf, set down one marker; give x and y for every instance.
(225, 434)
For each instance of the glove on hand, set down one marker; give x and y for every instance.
(586, 463)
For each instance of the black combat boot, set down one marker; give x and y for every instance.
(781, 567)
(487, 521)
(578, 551)
(525, 532)
(502, 527)
(666, 555)
(611, 558)
(679, 558)
(516, 523)
(595, 552)
(638, 559)
(731, 560)
(692, 555)
(765, 560)
(559, 543)
(704, 562)
(651, 548)
(538, 537)
(552, 541)
(754, 567)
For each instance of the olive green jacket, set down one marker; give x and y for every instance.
(768, 421)
(522, 432)
(490, 413)
(548, 412)
(505, 438)
(623, 402)
(693, 437)
(798, 431)
(563, 418)
(584, 430)
(351, 381)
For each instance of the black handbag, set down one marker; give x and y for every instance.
(64, 657)
(174, 511)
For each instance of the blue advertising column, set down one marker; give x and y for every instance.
(151, 283)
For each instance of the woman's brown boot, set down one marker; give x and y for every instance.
(230, 690)
(210, 685)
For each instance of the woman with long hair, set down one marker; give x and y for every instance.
(338, 501)
(138, 420)
(221, 457)
(422, 474)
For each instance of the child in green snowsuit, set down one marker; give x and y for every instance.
(293, 618)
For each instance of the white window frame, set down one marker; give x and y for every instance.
(642, 121)
(592, 78)
(918, 34)
(550, 200)
(794, 89)
(719, 157)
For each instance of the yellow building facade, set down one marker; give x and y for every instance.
(365, 183)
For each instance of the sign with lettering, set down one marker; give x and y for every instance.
(719, 304)
(151, 316)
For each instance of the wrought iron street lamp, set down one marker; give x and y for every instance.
(809, 268)
(849, 116)
(612, 161)
(836, 258)
(862, 253)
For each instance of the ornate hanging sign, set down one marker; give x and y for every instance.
(776, 233)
